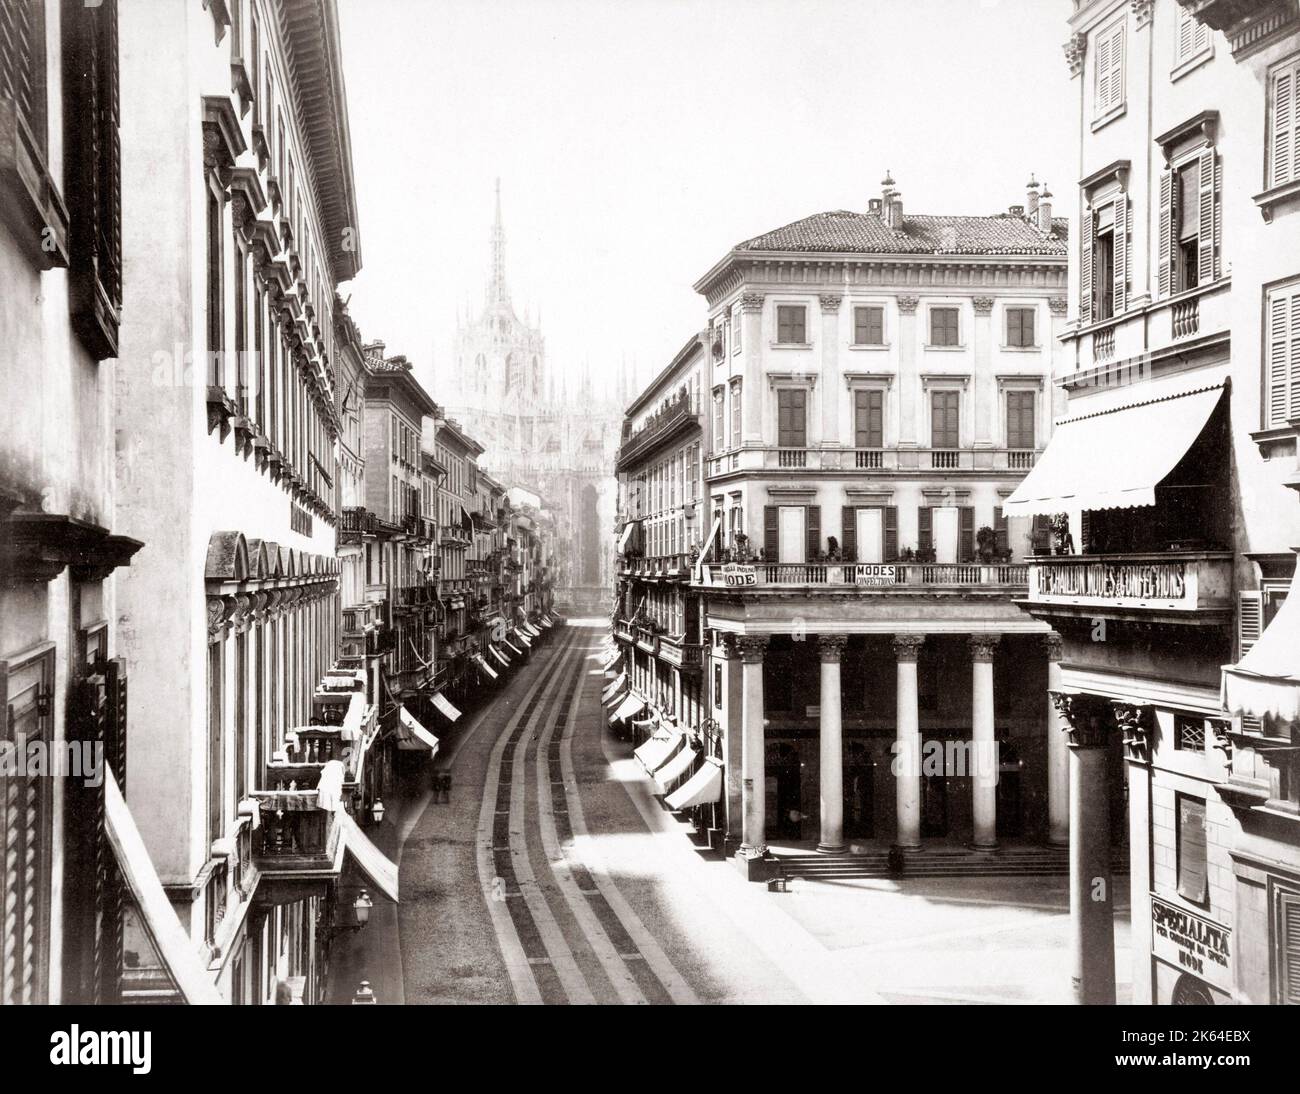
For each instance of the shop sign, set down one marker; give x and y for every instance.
(873, 574)
(1191, 943)
(735, 574)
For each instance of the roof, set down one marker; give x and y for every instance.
(399, 369)
(844, 232)
(651, 390)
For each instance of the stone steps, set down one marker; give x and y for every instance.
(1013, 862)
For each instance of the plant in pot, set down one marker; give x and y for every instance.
(986, 540)
(1063, 541)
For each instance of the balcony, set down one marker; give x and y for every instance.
(679, 414)
(359, 620)
(871, 459)
(687, 656)
(623, 630)
(886, 577)
(1173, 586)
(296, 837)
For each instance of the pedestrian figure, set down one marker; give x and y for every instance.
(436, 786)
(446, 787)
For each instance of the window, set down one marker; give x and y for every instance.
(791, 328)
(216, 294)
(216, 740)
(792, 417)
(1192, 850)
(1187, 221)
(943, 327)
(735, 413)
(943, 419)
(719, 425)
(1103, 264)
(1283, 154)
(1193, 37)
(1108, 85)
(736, 325)
(1189, 733)
(1020, 419)
(869, 325)
(1282, 354)
(1020, 328)
(869, 419)
(1286, 929)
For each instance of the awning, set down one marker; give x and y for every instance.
(1266, 682)
(613, 688)
(667, 776)
(530, 630)
(444, 706)
(702, 788)
(491, 672)
(517, 650)
(376, 865)
(611, 659)
(630, 705)
(1114, 459)
(629, 530)
(413, 736)
(505, 661)
(656, 751)
(169, 938)
(544, 621)
(523, 637)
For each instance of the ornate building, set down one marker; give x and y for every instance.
(538, 432)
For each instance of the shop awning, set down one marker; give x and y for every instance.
(629, 530)
(666, 777)
(169, 938)
(611, 659)
(630, 705)
(492, 673)
(544, 621)
(702, 788)
(376, 865)
(613, 688)
(1116, 458)
(505, 661)
(516, 649)
(523, 637)
(530, 630)
(412, 736)
(1266, 682)
(656, 751)
(444, 706)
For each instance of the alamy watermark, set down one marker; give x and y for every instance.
(38, 758)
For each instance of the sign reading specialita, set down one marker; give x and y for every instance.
(1192, 943)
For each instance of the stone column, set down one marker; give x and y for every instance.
(1137, 725)
(751, 396)
(830, 647)
(751, 648)
(830, 370)
(983, 383)
(907, 747)
(1058, 754)
(1089, 723)
(909, 415)
(984, 778)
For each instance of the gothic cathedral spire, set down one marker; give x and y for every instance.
(498, 293)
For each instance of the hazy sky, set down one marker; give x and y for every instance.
(636, 140)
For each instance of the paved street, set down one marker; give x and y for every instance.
(554, 876)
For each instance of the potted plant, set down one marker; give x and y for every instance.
(987, 540)
(1063, 542)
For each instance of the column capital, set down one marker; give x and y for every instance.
(907, 304)
(727, 645)
(830, 301)
(1053, 646)
(1137, 723)
(751, 301)
(982, 646)
(983, 305)
(1075, 48)
(907, 647)
(751, 647)
(1089, 719)
(830, 647)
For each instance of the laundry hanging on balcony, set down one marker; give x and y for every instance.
(1266, 681)
(1115, 458)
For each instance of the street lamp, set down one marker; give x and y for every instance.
(364, 994)
(361, 906)
(377, 810)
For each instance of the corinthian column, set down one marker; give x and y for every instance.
(1058, 754)
(984, 781)
(830, 647)
(751, 648)
(907, 747)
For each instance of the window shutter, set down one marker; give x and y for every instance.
(966, 518)
(1000, 542)
(1192, 884)
(1103, 74)
(891, 532)
(1085, 531)
(924, 538)
(1289, 949)
(1041, 534)
(1121, 255)
(1284, 126)
(1250, 625)
(1277, 379)
(1087, 240)
(1165, 236)
(849, 532)
(1208, 253)
(771, 535)
(813, 521)
(1115, 91)
(876, 419)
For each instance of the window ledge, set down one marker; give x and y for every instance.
(1103, 120)
(869, 347)
(790, 345)
(1191, 63)
(1277, 442)
(943, 349)
(1021, 349)
(1274, 196)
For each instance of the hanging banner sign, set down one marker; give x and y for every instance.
(734, 574)
(873, 574)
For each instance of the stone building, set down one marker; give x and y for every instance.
(1172, 462)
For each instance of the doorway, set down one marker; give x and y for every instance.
(859, 796)
(946, 533)
(870, 535)
(783, 801)
(790, 545)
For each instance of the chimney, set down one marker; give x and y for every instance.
(1031, 198)
(896, 211)
(875, 205)
(1045, 210)
(1016, 210)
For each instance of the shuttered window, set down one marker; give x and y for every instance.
(1193, 37)
(791, 326)
(1192, 884)
(1020, 419)
(869, 326)
(1108, 87)
(1283, 157)
(944, 327)
(1020, 327)
(22, 63)
(869, 419)
(735, 413)
(1287, 932)
(1250, 625)
(792, 417)
(719, 430)
(1282, 354)
(944, 419)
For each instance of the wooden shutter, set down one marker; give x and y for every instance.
(1207, 252)
(1284, 127)
(1192, 882)
(924, 536)
(875, 419)
(891, 532)
(1120, 297)
(1288, 930)
(1041, 534)
(1085, 531)
(1165, 234)
(966, 525)
(1283, 358)
(849, 531)
(1103, 74)
(1000, 542)
(812, 525)
(1087, 240)
(771, 533)
(1250, 625)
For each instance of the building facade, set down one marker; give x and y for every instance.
(1172, 464)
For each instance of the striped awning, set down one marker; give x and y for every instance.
(702, 788)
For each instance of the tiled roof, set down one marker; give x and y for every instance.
(845, 232)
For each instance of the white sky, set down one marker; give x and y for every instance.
(637, 140)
